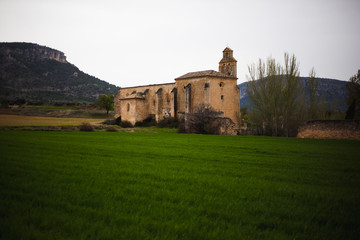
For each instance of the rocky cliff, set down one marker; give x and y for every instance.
(29, 52)
(37, 73)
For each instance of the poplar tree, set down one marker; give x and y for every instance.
(277, 96)
(313, 98)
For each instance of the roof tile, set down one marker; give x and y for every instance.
(207, 73)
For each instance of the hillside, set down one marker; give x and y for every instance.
(335, 91)
(37, 73)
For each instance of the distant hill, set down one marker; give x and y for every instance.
(38, 73)
(335, 90)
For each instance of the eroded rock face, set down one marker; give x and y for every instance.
(30, 52)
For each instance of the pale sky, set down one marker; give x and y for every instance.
(139, 42)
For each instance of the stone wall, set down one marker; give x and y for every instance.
(331, 129)
(134, 104)
(220, 93)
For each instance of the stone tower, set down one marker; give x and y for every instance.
(227, 65)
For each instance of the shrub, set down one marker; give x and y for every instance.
(181, 128)
(20, 102)
(168, 123)
(108, 122)
(126, 124)
(203, 120)
(147, 122)
(86, 127)
(111, 129)
(116, 121)
(4, 104)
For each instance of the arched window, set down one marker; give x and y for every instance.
(221, 84)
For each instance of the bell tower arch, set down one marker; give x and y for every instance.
(227, 65)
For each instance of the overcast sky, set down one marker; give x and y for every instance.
(129, 43)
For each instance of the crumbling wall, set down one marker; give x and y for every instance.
(331, 129)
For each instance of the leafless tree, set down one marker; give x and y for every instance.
(203, 120)
(277, 96)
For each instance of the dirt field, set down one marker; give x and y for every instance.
(51, 111)
(17, 120)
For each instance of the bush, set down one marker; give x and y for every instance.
(168, 123)
(116, 121)
(108, 122)
(126, 124)
(181, 128)
(86, 127)
(147, 122)
(20, 102)
(4, 104)
(112, 129)
(203, 120)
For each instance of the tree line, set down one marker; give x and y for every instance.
(279, 99)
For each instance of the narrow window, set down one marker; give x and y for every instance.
(221, 84)
(222, 97)
(128, 107)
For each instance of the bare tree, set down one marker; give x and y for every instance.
(317, 103)
(313, 100)
(203, 120)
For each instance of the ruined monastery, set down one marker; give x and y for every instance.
(217, 89)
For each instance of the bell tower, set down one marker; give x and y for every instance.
(227, 65)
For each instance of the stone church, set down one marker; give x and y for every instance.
(217, 89)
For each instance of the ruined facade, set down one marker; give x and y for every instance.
(217, 89)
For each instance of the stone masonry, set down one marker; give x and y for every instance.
(217, 89)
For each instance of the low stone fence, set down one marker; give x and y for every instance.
(332, 129)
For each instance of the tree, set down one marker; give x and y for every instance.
(105, 102)
(277, 96)
(350, 112)
(353, 87)
(244, 110)
(317, 105)
(313, 98)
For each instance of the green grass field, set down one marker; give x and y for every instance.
(108, 185)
